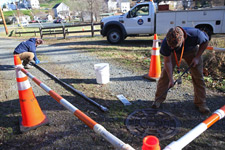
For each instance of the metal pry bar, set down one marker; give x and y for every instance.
(104, 109)
(175, 81)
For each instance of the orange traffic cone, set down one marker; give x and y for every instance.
(32, 115)
(155, 65)
(150, 143)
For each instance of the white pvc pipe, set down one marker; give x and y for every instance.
(195, 132)
(187, 138)
(215, 49)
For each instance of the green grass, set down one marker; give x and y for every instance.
(15, 12)
(46, 5)
(9, 13)
(51, 3)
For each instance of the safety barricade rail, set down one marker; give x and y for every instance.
(199, 129)
(215, 49)
(99, 129)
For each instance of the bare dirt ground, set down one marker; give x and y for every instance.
(72, 63)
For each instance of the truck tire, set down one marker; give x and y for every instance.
(114, 36)
(207, 30)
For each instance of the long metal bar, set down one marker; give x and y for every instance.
(104, 109)
(174, 82)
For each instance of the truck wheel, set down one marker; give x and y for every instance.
(207, 30)
(114, 36)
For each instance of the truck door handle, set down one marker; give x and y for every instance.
(149, 19)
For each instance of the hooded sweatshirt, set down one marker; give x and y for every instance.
(27, 46)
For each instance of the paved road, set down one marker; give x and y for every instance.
(37, 25)
(2, 28)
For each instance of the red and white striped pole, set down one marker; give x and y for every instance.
(216, 49)
(191, 135)
(99, 129)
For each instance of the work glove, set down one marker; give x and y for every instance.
(37, 61)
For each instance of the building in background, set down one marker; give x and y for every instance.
(22, 4)
(32, 4)
(61, 10)
(117, 6)
(124, 6)
(112, 6)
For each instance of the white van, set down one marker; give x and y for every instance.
(23, 23)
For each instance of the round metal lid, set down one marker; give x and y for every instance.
(155, 122)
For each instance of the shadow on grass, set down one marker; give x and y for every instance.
(126, 43)
(6, 67)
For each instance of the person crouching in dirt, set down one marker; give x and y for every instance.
(27, 51)
(189, 44)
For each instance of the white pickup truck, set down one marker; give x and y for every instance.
(143, 19)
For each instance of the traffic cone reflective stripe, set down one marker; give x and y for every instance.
(23, 85)
(155, 64)
(22, 79)
(32, 115)
(155, 43)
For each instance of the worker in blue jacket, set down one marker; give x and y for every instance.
(27, 51)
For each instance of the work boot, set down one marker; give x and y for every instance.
(25, 62)
(204, 109)
(156, 105)
(27, 66)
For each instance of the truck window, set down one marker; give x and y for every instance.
(140, 10)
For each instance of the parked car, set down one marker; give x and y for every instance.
(42, 21)
(23, 23)
(59, 21)
(33, 21)
(38, 21)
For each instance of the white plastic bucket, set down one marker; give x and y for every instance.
(102, 73)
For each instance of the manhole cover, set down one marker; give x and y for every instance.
(145, 122)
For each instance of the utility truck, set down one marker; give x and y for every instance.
(143, 19)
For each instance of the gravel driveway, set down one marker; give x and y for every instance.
(76, 67)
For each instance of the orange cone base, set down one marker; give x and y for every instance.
(25, 129)
(151, 78)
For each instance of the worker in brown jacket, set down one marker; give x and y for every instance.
(188, 44)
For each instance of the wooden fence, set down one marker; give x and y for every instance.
(64, 30)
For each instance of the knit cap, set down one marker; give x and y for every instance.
(174, 37)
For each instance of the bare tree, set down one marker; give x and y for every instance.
(218, 2)
(92, 7)
(78, 8)
(99, 7)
